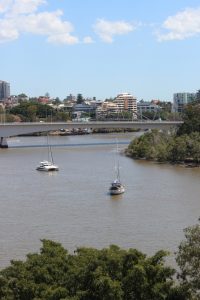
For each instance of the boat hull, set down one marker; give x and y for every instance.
(47, 169)
(47, 166)
(117, 192)
(116, 188)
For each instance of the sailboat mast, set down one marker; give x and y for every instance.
(117, 161)
(48, 146)
(118, 174)
(50, 156)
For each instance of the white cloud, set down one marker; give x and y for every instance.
(88, 40)
(8, 32)
(106, 30)
(183, 25)
(44, 23)
(25, 6)
(4, 5)
(63, 39)
(22, 17)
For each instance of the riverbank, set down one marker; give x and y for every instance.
(167, 148)
(186, 164)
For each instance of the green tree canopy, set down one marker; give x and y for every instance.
(188, 260)
(89, 274)
(29, 111)
(191, 118)
(79, 99)
(162, 146)
(57, 101)
(22, 95)
(151, 145)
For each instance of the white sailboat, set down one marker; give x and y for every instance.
(117, 187)
(48, 165)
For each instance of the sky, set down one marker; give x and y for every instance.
(100, 48)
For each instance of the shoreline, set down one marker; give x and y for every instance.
(185, 164)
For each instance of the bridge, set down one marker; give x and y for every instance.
(15, 129)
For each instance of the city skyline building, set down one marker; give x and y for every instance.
(126, 101)
(4, 90)
(182, 99)
(147, 106)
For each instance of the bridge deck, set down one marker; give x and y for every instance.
(14, 129)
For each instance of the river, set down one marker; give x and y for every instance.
(73, 206)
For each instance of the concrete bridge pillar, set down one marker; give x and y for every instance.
(3, 142)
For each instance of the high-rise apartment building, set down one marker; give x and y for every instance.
(4, 90)
(182, 99)
(126, 102)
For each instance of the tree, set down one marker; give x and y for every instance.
(57, 101)
(89, 274)
(30, 111)
(47, 95)
(195, 146)
(191, 118)
(188, 260)
(63, 116)
(22, 97)
(151, 145)
(79, 99)
(33, 99)
(178, 149)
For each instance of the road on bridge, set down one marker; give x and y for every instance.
(14, 129)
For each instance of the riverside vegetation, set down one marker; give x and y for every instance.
(180, 147)
(107, 274)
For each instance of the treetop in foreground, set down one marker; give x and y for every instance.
(89, 274)
(188, 260)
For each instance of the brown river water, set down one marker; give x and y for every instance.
(72, 206)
